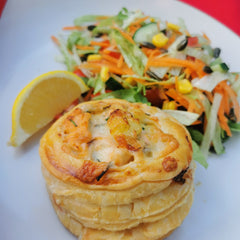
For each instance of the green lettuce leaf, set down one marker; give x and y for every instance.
(196, 135)
(96, 83)
(105, 26)
(198, 155)
(77, 38)
(130, 95)
(235, 127)
(217, 140)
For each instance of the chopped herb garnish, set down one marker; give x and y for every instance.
(106, 107)
(73, 122)
(102, 173)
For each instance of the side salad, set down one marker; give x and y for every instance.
(141, 58)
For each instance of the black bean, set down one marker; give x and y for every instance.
(207, 69)
(164, 31)
(216, 52)
(91, 27)
(148, 45)
(84, 57)
(182, 45)
(98, 35)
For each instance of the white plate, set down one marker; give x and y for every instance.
(27, 51)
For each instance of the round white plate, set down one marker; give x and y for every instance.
(26, 51)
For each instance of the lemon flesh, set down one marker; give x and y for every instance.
(39, 102)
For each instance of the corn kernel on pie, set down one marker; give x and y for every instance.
(118, 170)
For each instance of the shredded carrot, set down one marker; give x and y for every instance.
(120, 62)
(170, 40)
(188, 72)
(196, 65)
(200, 106)
(229, 99)
(96, 65)
(140, 20)
(85, 47)
(101, 44)
(206, 37)
(195, 107)
(223, 121)
(55, 40)
(178, 97)
(162, 94)
(151, 53)
(233, 98)
(226, 100)
(192, 106)
(209, 96)
(109, 58)
(197, 122)
(73, 28)
(145, 51)
(133, 28)
(125, 35)
(154, 53)
(111, 49)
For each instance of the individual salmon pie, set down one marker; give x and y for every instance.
(118, 170)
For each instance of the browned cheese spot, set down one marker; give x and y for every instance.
(127, 142)
(169, 164)
(90, 171)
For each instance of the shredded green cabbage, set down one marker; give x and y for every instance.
(132, 54)
(211, 126)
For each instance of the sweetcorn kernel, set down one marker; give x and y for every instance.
(152, 19)
(129, 81)
(169, 105)
(94, 57)
(104, 73)
(173, 27)
(160, 40)
(184, 86)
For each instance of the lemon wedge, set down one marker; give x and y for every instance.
(39, 101)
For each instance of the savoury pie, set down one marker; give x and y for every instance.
(118, 170)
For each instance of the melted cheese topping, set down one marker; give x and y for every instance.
(114, 142)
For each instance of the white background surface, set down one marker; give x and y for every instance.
(26, 51)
